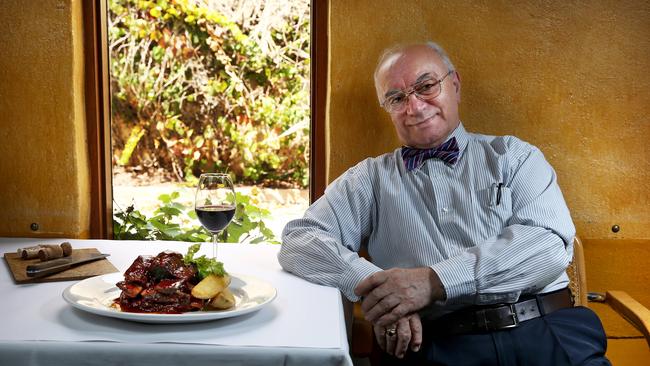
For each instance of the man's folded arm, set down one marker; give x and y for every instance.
(322, 246)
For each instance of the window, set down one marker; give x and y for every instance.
(97, 108)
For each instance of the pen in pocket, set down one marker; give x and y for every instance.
(499, 193)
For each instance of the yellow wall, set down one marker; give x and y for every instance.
(43, 155)
(570, 77)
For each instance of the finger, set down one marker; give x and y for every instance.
(373, 297)
(403, 337)
(416, 332)
(391, 341)
(390, 317)
(369, 283)
(380, 337)
(381, 308)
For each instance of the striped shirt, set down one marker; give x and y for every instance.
(486, 246)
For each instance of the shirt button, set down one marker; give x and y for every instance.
(445, 209)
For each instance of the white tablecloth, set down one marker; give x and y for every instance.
(304, 325)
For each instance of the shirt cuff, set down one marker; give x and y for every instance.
(457, 277)
(358, 270)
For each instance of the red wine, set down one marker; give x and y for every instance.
(215, 217)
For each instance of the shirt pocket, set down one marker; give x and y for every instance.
(494, 209)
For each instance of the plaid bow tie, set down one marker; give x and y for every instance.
(414, 158)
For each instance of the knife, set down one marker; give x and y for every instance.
(58, 265)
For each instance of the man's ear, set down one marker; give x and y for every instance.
(457, 84)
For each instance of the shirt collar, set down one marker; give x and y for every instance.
(462, 138)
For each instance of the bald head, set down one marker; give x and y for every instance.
(392, 54)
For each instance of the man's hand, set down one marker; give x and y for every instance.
(390, 295)
(408, 335)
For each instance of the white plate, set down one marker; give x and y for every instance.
(96, 294)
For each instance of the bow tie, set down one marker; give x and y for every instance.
(414, 158)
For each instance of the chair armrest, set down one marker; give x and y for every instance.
(361, 344)
(637, 314)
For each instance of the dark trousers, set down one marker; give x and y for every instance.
(571, 336)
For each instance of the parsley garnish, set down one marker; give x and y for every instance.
(206, 266)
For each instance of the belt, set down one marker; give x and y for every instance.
(481, 319)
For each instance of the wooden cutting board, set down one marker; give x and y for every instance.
(18, 267)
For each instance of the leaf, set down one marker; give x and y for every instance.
(165, 198)
(268, 233)
(172, 232)
(157, 224)
(169, 211)
(158, 53)
(155, 12)
(257, 240)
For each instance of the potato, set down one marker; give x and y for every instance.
(210, 286)
(224, 300)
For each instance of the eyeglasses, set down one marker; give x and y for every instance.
(424, 90)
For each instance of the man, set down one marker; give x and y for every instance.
(469, 235)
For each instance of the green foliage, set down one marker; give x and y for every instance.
(175, 221)
(248, 220)
(206, 266)
(193, 91)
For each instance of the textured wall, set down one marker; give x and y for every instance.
(570, 77)
(43, 155)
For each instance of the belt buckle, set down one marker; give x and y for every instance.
(515, 319)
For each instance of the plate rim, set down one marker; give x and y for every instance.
(188, 317)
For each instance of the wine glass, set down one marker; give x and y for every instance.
(215, 204)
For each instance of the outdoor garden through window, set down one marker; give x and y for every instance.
(201, 86)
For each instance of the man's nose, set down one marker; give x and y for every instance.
(414, 104)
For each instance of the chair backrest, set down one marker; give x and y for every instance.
(577, 274)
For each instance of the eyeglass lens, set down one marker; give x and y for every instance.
(423, 90)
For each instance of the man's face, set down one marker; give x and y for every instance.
(422, 124)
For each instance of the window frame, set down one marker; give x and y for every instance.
(97, 105)
(97, 93)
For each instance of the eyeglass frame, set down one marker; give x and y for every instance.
(411, 91)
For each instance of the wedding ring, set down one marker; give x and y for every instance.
(390, 332)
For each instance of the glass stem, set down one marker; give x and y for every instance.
(215, 240)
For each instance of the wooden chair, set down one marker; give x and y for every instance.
(626, 321)
(361, 337)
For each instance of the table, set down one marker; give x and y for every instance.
(304, 325)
